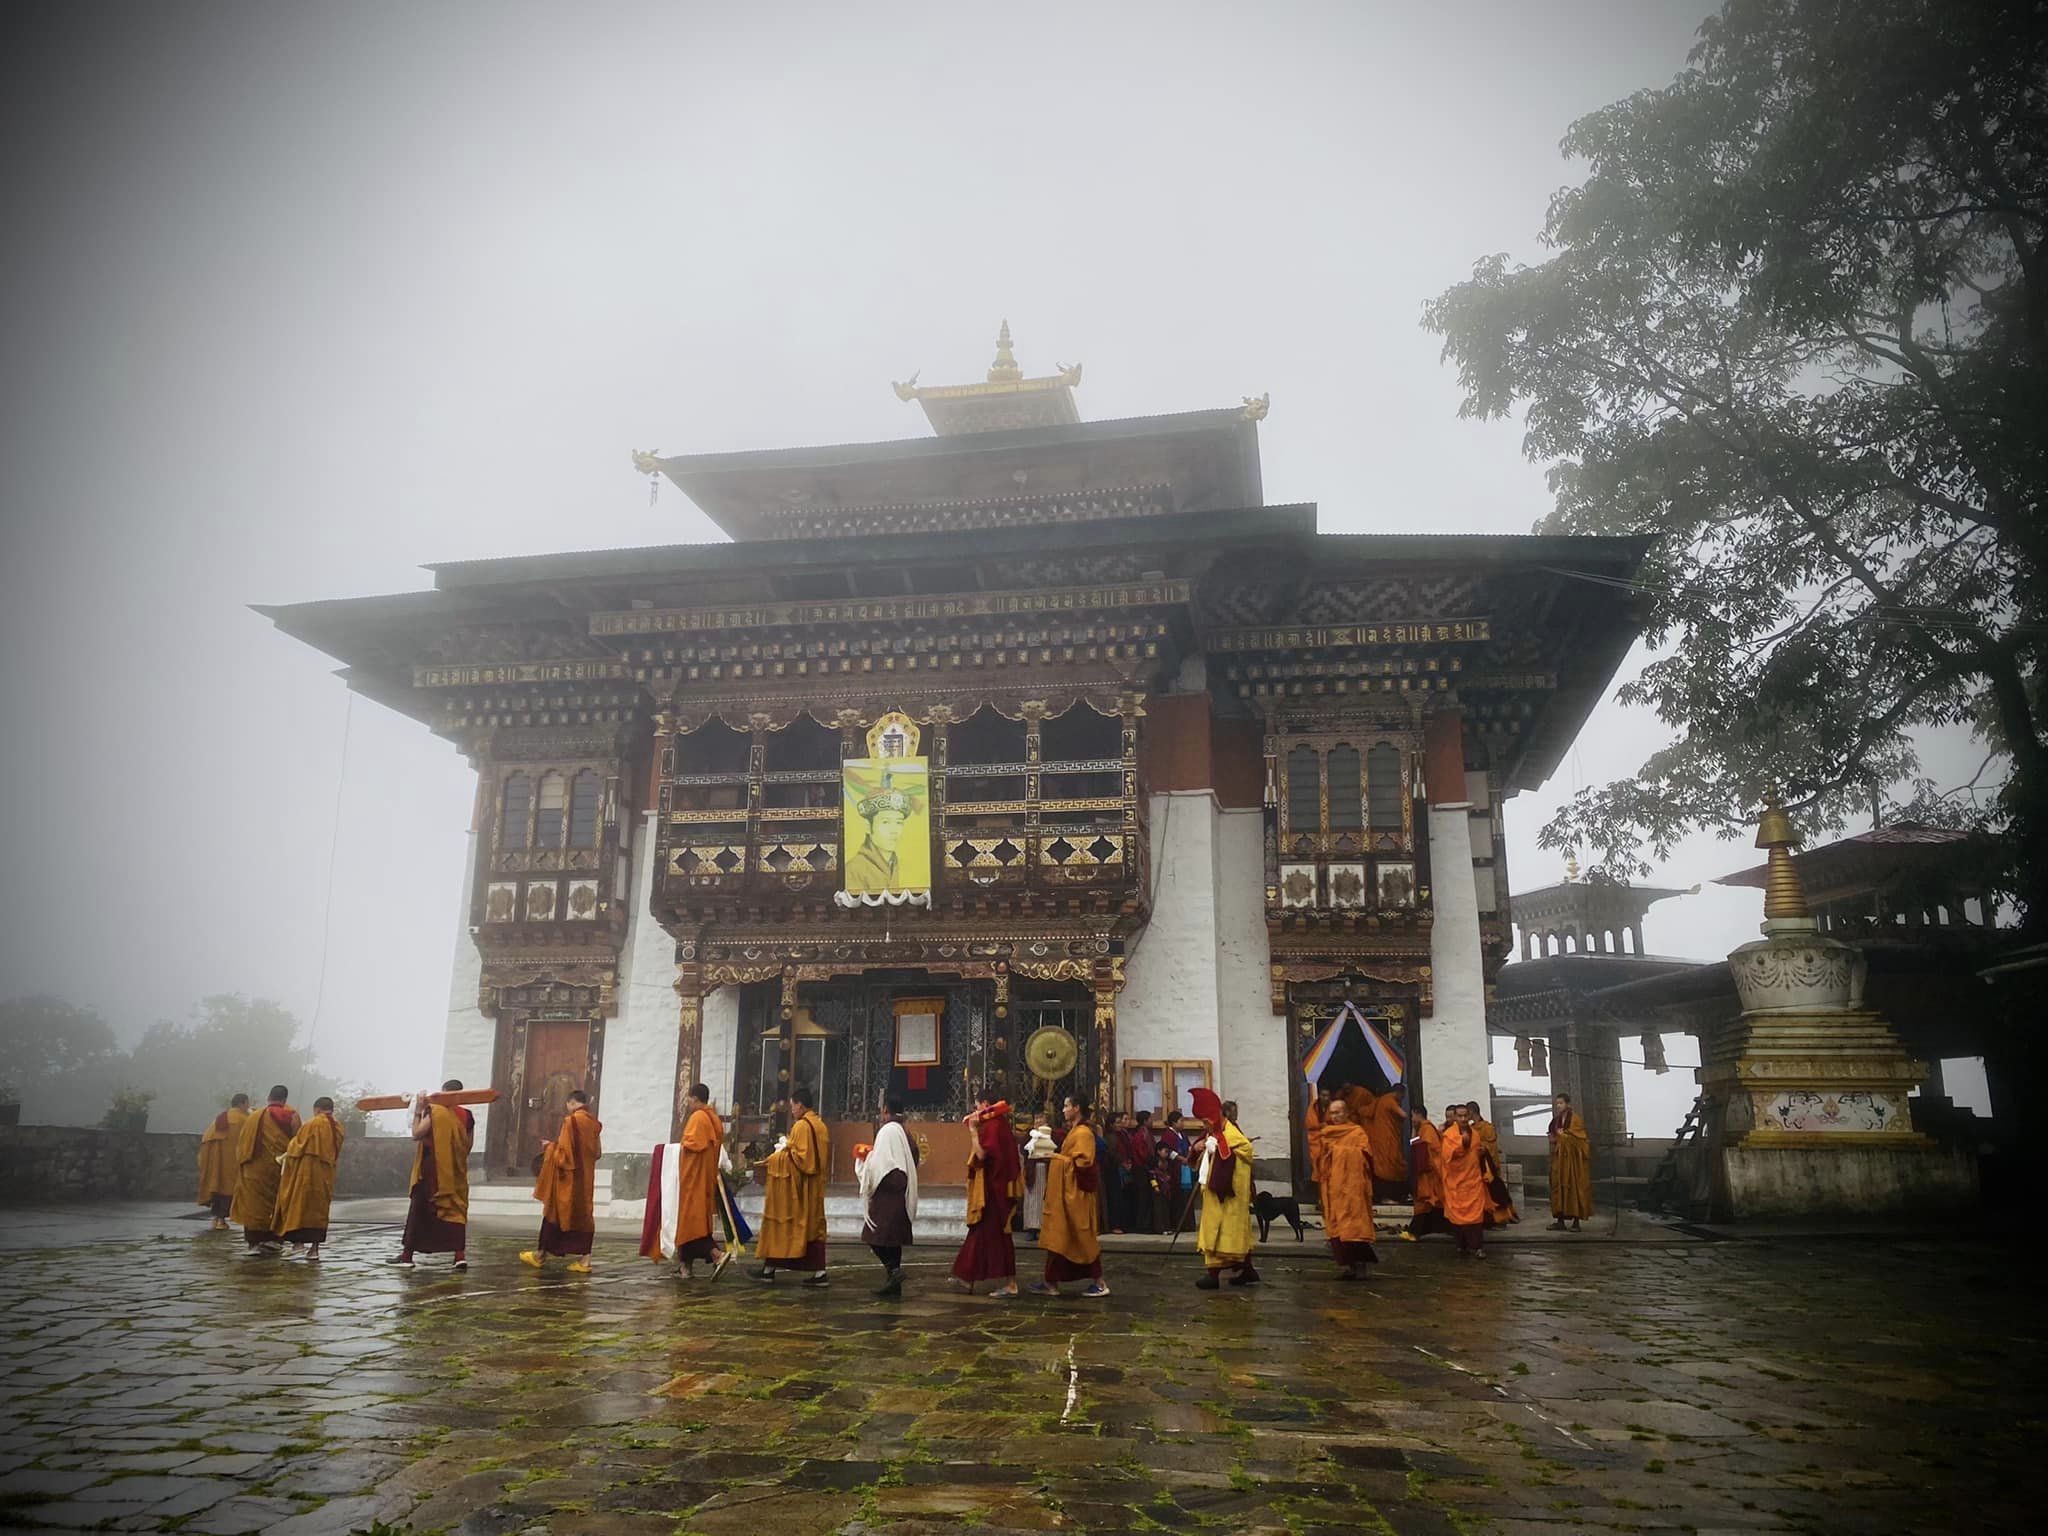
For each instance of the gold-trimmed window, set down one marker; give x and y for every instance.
(515, 809)
(586, 793)
(551, 809)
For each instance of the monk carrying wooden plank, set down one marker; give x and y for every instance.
(438, 1218)
(258, 1147)
(305, 1191)
(793, 1212)
(217, 1172)
(567, 1190)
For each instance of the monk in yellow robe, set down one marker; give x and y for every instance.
(1067, 1231)
(437, 1219)
(305, 1189)
(566, 1188)
(1340, 1152)
(1500, 1204)
(217, 1171)
(1226, 1235)
(1464, 1182)
(793, 1210)
(258, 1147)
(1571, 1165)
(1426, 1158)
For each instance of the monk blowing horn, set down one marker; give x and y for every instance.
(449, 1099)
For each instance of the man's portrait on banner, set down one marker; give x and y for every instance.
(887, 820)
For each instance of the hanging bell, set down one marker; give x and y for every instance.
(1522, 1055)
(1653, 1052)
(1539, 1059)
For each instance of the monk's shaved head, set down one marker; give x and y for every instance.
(239, 1101)
(453, 1085)
(279, 1094)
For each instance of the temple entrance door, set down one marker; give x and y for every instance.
(1312, 1007)
(557, 1060)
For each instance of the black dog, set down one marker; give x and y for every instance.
(1270, 1208)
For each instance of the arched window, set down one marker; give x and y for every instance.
(517, 804)
(584, 795)
(1383, 787)
(553, 803)
(1304, 791)
(1347, 797)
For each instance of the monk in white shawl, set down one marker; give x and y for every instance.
(888, 1195)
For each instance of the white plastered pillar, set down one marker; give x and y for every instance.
(1454, 1047)
(469, 1046)
(637, 1089)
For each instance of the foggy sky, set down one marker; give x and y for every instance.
(299, 298)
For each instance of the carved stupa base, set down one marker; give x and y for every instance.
(1808, 1119)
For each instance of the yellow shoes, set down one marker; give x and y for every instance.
(579, 1266)
(1407, 1237)
(530, 1258)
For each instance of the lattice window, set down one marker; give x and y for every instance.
(584, 797)
(1347, 800)
(1383, 787)
(517, 803)
(552, 808)
(1304, 790)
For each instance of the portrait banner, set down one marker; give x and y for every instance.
(888, 829)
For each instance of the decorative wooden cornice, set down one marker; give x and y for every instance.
(892, 610)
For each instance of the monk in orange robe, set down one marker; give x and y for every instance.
(217, 1172)
(1426, 1157)
(258, 1147)
(1571, 1165)
(1340, 1152)
(437, 1220)
(567, 1189)
(1073, 1251)
(793, 1210)
(1500, 1204)
(1387, 1130)
(995, 1183)
(1464, 1182)
(697, 1188)
(305, 1189)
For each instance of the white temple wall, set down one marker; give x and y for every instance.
(1253, 1069)
(1454, 1051)
(1168, 1010)
(470, 1045)
(637, 1095)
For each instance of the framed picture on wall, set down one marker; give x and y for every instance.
(917, 1030)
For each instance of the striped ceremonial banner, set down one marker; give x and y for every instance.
(1318, 1059)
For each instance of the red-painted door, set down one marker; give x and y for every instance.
(557, 1062)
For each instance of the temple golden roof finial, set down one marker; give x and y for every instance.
(1004, 369)
(1571, 868)
(1784, 895)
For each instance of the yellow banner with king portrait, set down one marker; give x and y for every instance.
(887, 818)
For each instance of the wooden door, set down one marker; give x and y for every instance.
(557, 1063)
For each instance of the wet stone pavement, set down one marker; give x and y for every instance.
(157, 1380)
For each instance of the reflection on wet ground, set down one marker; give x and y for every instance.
(157, 1379)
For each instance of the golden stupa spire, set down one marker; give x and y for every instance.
(1004, 369)
(1571, 868)
(1784, 895)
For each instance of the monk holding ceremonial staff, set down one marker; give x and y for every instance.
(305, 1189)
(567, 1190)
(693, 1209)
(217, 1170)
(995, 1182)
(438, 1218)
(793, 1210)
(1571, 1165)
(1340, 1151)
(888, 1194)
(258, 1148)
(1225, 1236)
(1072, 1249)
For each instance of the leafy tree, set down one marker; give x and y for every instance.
(43, 1037)
(233, 1044)
(1794, 331)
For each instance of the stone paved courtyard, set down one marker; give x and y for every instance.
(157, 1380)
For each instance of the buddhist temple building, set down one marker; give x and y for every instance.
(1029, 750)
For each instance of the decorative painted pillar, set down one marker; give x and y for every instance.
(1454, 1045)
(689, 1029)
(1105, 1041)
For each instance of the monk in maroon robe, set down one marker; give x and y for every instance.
(995, 1183)
(437, 1221)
